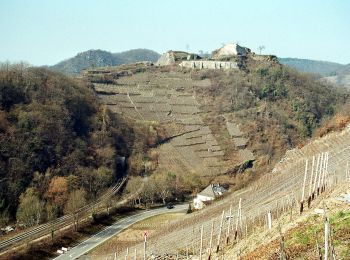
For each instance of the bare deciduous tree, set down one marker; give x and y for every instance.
(30, 208)
(75, 201)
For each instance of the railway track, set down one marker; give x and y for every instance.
(60, 223)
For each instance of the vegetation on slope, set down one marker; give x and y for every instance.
(277, 107)
(306, 241)
(100, 58)
(323, 68)
(57, 141)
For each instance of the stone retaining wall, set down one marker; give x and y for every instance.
(208, 64)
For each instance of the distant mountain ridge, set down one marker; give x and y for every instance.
(101, 58)
(341, 78)
(323, 68)
(332, 72)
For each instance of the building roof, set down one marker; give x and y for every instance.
(213, 191)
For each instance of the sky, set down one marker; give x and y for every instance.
(44, 32)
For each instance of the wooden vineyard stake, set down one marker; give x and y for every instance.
(310, 186)
(201, 244)
(269, 220)
(303, 189)
(229, 225)
(220, 230)
(315, 179)
(323, 173)
(319, 175)
(145, 245)
(326, 239)
(211, 239)
(318, 248)
(282, 251)
(347, 171)
(326, 175)
(238, 217)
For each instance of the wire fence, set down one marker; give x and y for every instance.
(290, 190)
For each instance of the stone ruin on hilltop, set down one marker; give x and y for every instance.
(223, 58)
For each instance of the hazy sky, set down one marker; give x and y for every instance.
(47, 31)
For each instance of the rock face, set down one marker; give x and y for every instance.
(230, 49)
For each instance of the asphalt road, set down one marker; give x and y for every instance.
(113, 230)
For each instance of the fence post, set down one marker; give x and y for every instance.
(319, 175)
(315, 179)
(219, 235)
(323, 172)
(229, 225)
(326, 172)
(282, 253)
(269, 219)
(145, 247)
(310, 186)
(347, 171)
(211, 239)
(303, 189)
(201, 244)
(238, 217)
(127, 253)
(326, 237)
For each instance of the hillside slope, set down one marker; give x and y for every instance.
(342, 77)
(323, 68)
(100, 58)
(218, 122)
(56, 138)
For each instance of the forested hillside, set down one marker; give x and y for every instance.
(278, 107)
(323, 68)
(56, 140)
(100, 58)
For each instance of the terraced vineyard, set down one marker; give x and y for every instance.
(278, 192)
(192, 148)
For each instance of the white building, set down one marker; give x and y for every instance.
(208, 194)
